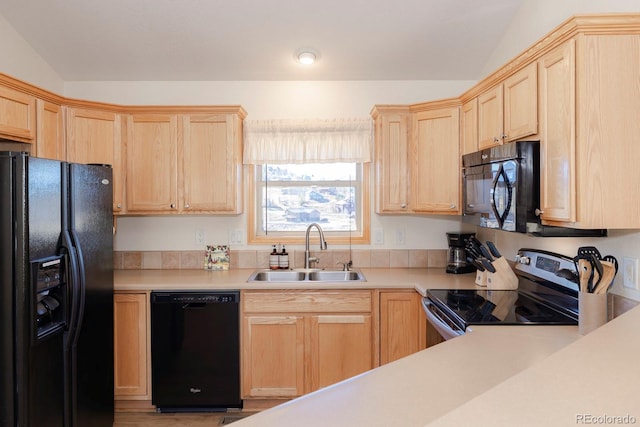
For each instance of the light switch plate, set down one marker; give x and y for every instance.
(378, 236)
(199, 237)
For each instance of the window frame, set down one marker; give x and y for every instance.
(297, 237)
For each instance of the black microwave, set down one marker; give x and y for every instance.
(501, 190)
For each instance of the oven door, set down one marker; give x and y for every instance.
(439, 320)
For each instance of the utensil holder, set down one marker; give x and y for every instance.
(592, 311)
(503, 278)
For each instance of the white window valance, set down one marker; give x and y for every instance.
(307, 141)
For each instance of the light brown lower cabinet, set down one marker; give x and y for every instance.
(402, 324)
(295, 342)
(132, 363)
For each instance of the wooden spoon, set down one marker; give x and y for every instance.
(608, 274)
(584, 272)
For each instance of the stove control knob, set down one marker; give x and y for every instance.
(521, 259)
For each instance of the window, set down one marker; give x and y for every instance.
(308, 172)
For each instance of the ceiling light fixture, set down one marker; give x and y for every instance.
(306, 56)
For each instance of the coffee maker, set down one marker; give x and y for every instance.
(457, 263)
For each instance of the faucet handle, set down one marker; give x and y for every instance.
(346, 265)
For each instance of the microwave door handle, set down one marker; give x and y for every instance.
(494, 185)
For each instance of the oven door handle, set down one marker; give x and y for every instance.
(435, 315)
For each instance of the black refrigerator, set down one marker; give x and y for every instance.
(56, 293)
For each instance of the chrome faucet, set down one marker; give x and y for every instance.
(323, 245)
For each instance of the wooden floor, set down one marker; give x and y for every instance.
(152, 419)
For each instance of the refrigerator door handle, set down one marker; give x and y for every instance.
(81, 291)
(73, 283)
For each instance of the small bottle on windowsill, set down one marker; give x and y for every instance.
(284, 259)
(274, 259)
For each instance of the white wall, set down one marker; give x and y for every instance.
(18, 59)
(535, 18)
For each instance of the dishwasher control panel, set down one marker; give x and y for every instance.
(195, 297)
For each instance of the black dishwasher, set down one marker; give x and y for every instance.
(195, 351)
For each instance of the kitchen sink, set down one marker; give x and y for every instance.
(277, 276)
(306, 276)
(334, 276)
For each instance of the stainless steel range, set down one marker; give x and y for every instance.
(547, 294)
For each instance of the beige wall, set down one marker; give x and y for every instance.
(19, 60)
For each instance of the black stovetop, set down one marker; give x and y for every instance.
(508, 307)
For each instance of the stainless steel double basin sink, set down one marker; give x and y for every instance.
(312, 275)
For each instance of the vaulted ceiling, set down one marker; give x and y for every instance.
(101, 40)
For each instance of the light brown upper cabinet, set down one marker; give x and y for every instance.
(184, 163)
(211, 163)
(95, 136)
(17, 115)
(152, 166)
(392, 176)
(435, 165)
(590, 104)
(417, 164)
(50, 141)
(509, 111)
(469, 127)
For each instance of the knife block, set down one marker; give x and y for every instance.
(481, 278)
(503, 278)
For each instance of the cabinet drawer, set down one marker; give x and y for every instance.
(307, 301)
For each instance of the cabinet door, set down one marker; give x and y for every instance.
(152, 175)
(557, 134)
(608, 129)
(490, 116)
(392, 162)
(402, 325)
(94, 136)
(340, 346)
(212, 169)
(273, 356)
(131, 344)
(521, 104)
(17, 115)
(50, 136)
(436, 161)
(469, 130)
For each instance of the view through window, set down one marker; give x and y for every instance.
(292, 196)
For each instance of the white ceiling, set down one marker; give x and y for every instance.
(102, 40)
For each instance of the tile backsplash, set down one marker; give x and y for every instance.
(362, 258)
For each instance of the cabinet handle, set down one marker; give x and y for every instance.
(403, 206)
(504, 136)
(172, 206)
(485, 156)
(119, 206)
(538, 212)
(186, 205)
(452, 206)
(496, 139)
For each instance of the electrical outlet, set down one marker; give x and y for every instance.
(378, 236)
(199, 237)
(630, 272)
(400, 237)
